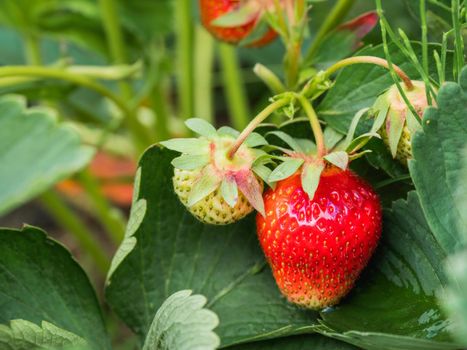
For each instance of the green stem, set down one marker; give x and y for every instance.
(256, 121)
(62, 74)
(315, 125)
(370, 60)
(458, 39)
(424, 36)
(110, 19)
(32, 50)
(269, 78)
(204, 60)
(184, 35)
(235, 91)
(335, 17)
(73, 224)
(110, 217)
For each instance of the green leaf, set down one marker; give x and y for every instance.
(202, 127)
(303, 342)
(182, 323)
(437, 164)
(358, 86)
(191, 146)
(331, 138)
(174, 251)
(285, 169)
(229, 192)
(310, 177)
(35, 152)
(40, 281)
(25, 335)
(190, 162)
(394, 304)
(227, 130)
(340, 159)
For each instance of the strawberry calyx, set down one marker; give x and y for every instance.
(246, 18)
(393, 117)
(208, 155)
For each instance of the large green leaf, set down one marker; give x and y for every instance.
(436, 168)
(394, 305)
(40, 281)
(182, 323)
(25, 335)
(167, 250)
(300, 342)
(357, 87)
(35, 151)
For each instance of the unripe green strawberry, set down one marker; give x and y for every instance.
(213, 209)
(395, 121)
(214, 188)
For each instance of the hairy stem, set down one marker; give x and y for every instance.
(370, 60)
(315, 125)
(255, 122)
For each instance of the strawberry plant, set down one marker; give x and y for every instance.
(318, 202)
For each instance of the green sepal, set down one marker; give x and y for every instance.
(227, 131)
(252, 190)
(340, 159)
(263, 172)
(394, 125)
(257, 33)
(380, 109)
(255, 140)
(190, 162)
(331, 137)
(192, 146)
(201, 127)
(413, 122)
(360, 142)
(204, 186)
(285, 169)
(353, 127)
(310, 177)
(236, 18)
(306, 145)
(289, 140)
(229, 191)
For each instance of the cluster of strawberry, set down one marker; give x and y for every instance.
(318, 223)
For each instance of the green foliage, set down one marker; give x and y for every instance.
(182, 323)
(436, 168)
(40, 281)
(35, 151)
(25, 335)
(173, 251)
(357, 87)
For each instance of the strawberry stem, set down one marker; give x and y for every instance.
(371, 60)
(315, 125)
(255, 122)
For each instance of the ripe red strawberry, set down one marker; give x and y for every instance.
(317, 248)
(212, 10)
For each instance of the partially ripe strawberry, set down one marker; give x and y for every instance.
(395, 121)
(215, 189)
(317, 247)
(233, 21)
